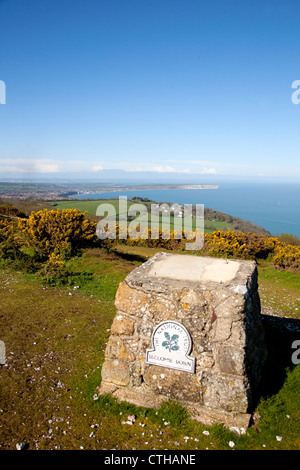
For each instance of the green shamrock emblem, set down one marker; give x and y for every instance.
(171, 343)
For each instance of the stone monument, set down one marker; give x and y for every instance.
(188, 329)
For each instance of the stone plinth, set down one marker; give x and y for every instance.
(188, 328)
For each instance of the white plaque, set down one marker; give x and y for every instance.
(2, 352)
(172, 344)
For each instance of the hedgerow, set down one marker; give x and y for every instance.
(50, 237)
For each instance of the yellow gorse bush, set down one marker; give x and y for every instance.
(55, 260)
(6, 224)
(153, 238)
(56, 231)
(228, 244)
(287, 257)
(10, 243)
(252, 246)
(55, 235)
(239, 244)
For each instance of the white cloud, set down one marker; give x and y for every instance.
(97, 167)
(27, 165)
(170, 169)
(208, 171)
(163, 169)
(12, 164)
(46, 167)
(40, 165)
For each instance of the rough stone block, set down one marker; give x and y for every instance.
(122, 325)
(188, 328)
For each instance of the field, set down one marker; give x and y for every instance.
(279, 291)
(55, 340)
(91, 207)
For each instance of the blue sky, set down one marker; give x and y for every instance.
(188, 88)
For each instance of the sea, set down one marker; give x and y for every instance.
(273, 206)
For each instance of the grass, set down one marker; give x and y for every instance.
(55, 341)
(106, 270)
(279, 290)
(281, 412)
(91, 208)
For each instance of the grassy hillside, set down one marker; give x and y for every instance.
(55, 341)
(279, 291)
(213, 220)
(91, 208)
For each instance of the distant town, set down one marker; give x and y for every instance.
(51, 192)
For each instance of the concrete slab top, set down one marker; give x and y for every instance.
(194, 268)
